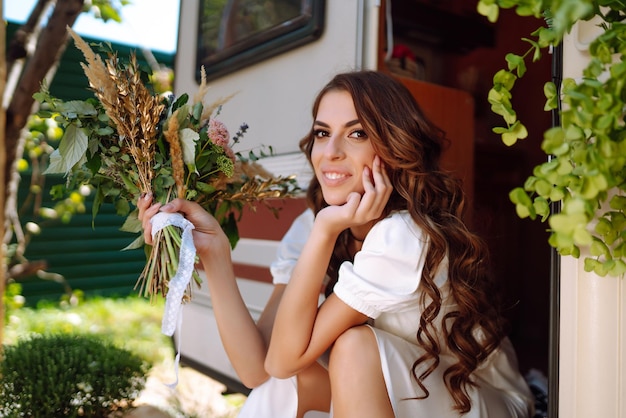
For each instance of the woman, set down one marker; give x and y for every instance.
(407, 326)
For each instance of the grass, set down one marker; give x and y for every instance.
(132, 323)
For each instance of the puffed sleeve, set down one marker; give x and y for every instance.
(291, 246)
(387, 271)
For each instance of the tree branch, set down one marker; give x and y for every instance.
(50, 45)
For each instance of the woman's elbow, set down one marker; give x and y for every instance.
(252, 381)
(278, 369)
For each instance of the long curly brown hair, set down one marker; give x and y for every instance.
(410, 147)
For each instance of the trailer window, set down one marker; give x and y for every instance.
(233, 34)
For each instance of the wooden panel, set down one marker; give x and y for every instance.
(263, 224)
(453, 111)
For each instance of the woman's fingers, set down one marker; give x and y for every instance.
(143, 203)
(377, 188)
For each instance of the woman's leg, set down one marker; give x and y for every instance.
(313, 390)
(356, 377)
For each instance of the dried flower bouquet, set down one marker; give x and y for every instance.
(129, 141)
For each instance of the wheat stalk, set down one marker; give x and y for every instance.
(178, 165)
(203, 89)
(132, 109)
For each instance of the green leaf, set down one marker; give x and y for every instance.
(132, 223)
(620, 250)
(523, 212)
(542, 208)
(105, 131)
(108, 12)
(618, 269)
(197, 111)
(231, 230)
(575, 206)
(71, 150)
(188, 140)
(515, 132)
(568, 13)
(563, 243)
(97, 202)
(618, 202)
(519, 196)
(529, 8)
(488, 9)
(603, 226)
(552, 97)
(139, 242)
(205, 188)
(598, 248)
(182, 100)
(505, 78)
(582, 236)
(546, 36)
(181, 116)
(593, 185)
(122, 207)
(557, 194)
(516, 63)
(77, 108)
(543, 187)
(591, 264)
(566, 223)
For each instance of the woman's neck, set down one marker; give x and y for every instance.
(359, 232)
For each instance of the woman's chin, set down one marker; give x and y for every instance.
(332, 201)
(338, 199)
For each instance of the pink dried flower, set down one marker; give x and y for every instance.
(218, 133)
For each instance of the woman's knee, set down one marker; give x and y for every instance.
(356, 345)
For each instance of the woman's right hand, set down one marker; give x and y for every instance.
(208, 236)
(360, 209)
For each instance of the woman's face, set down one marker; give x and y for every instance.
(341, 149)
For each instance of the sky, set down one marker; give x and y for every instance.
(145, 23)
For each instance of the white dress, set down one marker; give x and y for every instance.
(382, 283)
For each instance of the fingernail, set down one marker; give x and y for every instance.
(166, 207)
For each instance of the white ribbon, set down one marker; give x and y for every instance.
(186, 265)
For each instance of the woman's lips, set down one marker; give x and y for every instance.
(333, 178)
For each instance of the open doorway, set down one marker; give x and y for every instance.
(446, 42)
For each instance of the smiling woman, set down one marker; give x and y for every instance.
(151, 24)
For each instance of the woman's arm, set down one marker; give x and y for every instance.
(302, 332)
(244, 341)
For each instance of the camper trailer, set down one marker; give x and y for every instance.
(274, 59)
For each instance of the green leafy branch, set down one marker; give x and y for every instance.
(586, 169)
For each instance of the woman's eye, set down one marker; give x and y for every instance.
(320, 133)
(358, 134)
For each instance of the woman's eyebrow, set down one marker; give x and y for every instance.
(320, 123)
(347, 124)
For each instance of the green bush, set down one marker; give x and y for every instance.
(68, 375)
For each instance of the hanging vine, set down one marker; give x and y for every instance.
(586, 169)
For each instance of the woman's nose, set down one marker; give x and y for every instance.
(334, 148)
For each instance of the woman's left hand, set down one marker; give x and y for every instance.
(360, 209)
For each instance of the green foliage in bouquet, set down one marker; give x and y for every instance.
(68, 375)
(127, 142)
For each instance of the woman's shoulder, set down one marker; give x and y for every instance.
(398, 227)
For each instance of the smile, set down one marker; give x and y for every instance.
(335, 176)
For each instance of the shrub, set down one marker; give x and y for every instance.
(68, 375)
